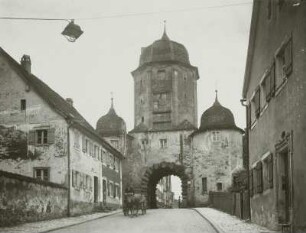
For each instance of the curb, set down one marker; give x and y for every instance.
(74, 224)
(217, 228)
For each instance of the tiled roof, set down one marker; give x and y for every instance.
(56, 102)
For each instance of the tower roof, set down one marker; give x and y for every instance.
(164, 49)
(217, 117)
(111, 124)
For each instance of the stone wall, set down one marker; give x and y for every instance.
(215, 161)
(24, 199)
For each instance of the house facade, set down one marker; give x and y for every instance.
(43, 136)
(274, 91)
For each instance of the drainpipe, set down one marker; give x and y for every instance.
(242, 101)
(70, 122)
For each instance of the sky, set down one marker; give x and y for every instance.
(215, 33)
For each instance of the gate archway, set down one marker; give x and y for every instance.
(153, 174)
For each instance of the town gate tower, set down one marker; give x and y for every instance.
(165, 114)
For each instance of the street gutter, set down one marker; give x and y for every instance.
(217, 228)
(74, 224)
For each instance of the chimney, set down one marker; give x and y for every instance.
(69, 101)
(26, 63)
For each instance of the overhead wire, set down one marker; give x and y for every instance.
(130, 14)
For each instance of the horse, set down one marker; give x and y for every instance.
(128, 204)
(133, 203)
(139, 203)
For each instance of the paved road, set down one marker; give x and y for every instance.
(160, 220)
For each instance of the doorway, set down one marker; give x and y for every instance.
(284, 190)
(104, 192)
(96, 189)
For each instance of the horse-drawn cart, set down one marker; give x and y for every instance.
(132, 203)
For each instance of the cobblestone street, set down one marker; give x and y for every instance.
(160, 220)
(204, 220)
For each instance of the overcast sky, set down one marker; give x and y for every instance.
(101, 60)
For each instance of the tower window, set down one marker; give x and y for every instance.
(163, 143)
(219, 186)
(115, 143)
(23, 104)
(204, 185)
(142, 119)
(175, 73)
(215, 136)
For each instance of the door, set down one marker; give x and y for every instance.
(284, 187)
(104, 192)
(96, 189)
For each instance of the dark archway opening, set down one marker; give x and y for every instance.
(153, 175)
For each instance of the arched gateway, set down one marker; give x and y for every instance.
(153, 174)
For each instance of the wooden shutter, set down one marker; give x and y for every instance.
(257, 102)
(259, 177)
(254, 175)
(267, 87)
(270, 171)
(83, 144)
(251, 183)
(272, 80)
(73, 178)
(31, 137)
(288, 58)
(51, 135)
(249, 116)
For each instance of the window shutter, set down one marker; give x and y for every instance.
(249, 118)
(272, 80)
(254, 175)
(257, 102)
(73, 178)
(31, 137)
(259, 177)
(51, 136)
(288, 58)
(270, 171)
(251, 183)
(83, 144)
(267, 84)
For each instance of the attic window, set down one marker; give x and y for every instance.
(23, 104)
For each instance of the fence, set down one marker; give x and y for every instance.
(232, 203)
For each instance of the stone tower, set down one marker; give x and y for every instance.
(113, 128)
(165, 87)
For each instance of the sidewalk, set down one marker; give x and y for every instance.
(49, 225)
(225, 223)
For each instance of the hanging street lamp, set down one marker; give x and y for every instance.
(72, 31)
